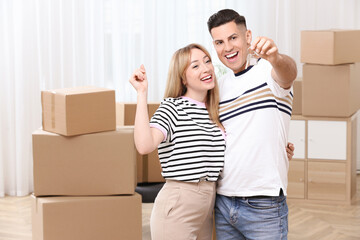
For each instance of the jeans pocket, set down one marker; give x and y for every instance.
(261, 203)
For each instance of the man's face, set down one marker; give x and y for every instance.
(231, 43)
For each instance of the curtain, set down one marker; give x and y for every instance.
(49, 44)
(43, 45)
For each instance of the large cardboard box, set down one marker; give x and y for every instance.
(80, 110)
(330, 47)
(90, 218)
(297, 100)
(91, 164)
(148, 166)
(331, 91)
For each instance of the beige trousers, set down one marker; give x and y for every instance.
(183, 211)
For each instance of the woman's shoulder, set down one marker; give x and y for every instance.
(171, 102)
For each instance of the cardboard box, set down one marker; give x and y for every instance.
(330, 47)
(90, 218)
(148, 166)
(80, 110)
(91, 164)
(125, 113)
(151, 170)
(331, 91)
(297, 100)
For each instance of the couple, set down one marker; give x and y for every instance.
(245, 179)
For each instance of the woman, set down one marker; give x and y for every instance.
(191, 142)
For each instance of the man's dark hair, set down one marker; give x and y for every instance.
(225, 16)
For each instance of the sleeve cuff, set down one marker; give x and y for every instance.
(163, 130)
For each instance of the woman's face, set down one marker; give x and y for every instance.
(199, 75)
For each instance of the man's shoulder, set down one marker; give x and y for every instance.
(227, 75)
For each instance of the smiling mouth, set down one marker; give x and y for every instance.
(206, 78)
(232, 55)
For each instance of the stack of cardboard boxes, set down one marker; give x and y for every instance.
(325, 118)
(84, 169)
(331, 72)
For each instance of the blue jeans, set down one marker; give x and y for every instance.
(257, 218)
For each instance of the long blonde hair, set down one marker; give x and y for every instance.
(175, 82)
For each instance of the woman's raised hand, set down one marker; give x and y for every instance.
(139, 80)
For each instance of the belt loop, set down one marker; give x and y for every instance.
(202, 179)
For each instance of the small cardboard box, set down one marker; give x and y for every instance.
(331, 91)
(79, 110)
(91, 164)
(330, 47)
(90, 218)
(297, 100)
(148, 166)
(125, 113)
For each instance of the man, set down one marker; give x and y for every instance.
(255, 109)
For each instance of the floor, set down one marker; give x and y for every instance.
(306, 221)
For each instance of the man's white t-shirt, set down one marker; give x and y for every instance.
(255, 112)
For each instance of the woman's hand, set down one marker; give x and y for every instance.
(139, 80)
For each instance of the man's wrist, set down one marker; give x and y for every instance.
(277, 60)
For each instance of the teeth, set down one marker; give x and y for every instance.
(206, 78)
(231, 55)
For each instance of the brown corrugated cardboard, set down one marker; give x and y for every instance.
(91, 164)
(125, 112)
(297, 100)
(120, 112)
(331, 91)
(153, 168)
(90, 218)
(140, 165)
(148, 166)
(80, 110)
(152, 107)
(330, 47)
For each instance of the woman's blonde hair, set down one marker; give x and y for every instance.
(177, 76)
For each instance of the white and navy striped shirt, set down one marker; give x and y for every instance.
(255, 111)
(193, 146)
